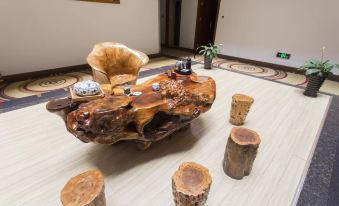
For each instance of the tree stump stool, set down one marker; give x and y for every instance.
(241, 150)
(240, 107)
(86, 189)
(191, 184)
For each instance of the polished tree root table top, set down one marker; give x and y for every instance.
(144, 119)
(38, 155)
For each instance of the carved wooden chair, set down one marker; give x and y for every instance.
(115, 64)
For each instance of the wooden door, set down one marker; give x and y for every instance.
(206, 22)
(177, 22)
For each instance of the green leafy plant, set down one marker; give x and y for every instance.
(320, 68)
(209, 51)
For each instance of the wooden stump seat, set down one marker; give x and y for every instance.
(240, 107)
(191, 184)
(241, 150)
(86, 189)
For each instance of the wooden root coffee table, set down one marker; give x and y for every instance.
(147, 118)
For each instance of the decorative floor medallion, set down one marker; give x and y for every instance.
(37, 86)
(51, 83)
(32, 90)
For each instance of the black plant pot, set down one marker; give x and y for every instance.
(208, 63)
(313, 86)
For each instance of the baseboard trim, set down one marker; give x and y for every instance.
(44, 73)
(271, 65)
(255, 62)
(262, 64)
(75, 68)
(48, 72)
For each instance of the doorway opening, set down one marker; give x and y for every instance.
(188, 24)
(206, 25)
(170, 14)
(177, 22)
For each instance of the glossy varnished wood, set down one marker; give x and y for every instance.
(38, 155)
(146, 118)
(110, 60)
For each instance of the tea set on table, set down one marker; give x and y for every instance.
(91, 88)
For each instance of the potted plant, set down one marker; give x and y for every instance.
(209, 52)
(316, 72)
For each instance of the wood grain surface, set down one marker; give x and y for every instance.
(116, 64)
(146, 118)
(38, 155)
